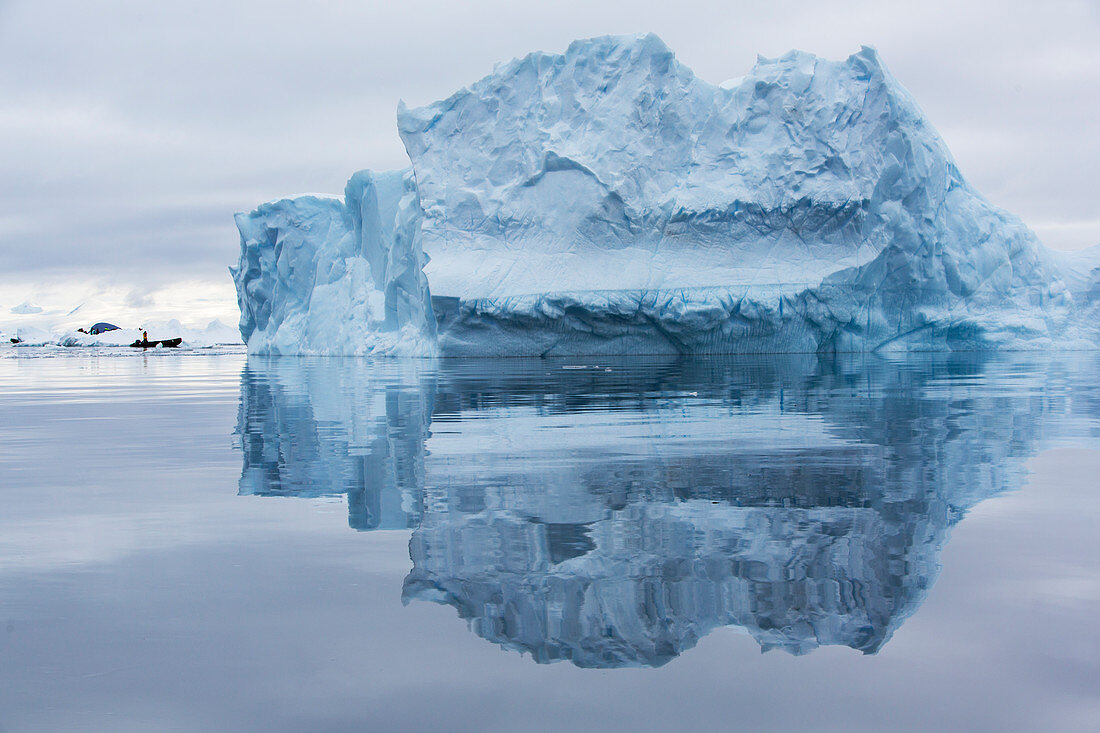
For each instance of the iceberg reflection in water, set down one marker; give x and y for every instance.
(615, 515)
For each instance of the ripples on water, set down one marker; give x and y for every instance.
(613, 514)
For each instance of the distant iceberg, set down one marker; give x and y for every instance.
(607, 201)
(26, 308)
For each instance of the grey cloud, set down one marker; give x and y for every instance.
(140, 299)
(131, 131)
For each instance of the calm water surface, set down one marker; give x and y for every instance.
(210, 542)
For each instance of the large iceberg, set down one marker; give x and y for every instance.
(606, 200)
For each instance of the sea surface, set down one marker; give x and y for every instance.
(212, 542)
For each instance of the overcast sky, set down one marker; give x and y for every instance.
(130, 132)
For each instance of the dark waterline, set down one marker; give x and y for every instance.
(912, 538)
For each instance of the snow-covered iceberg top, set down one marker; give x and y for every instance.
(606, 200)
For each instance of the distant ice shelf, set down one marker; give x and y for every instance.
(607, 201)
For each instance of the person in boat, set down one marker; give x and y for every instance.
(144, 337)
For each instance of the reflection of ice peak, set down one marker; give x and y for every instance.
(318, 428)
(647, 581)
(614, 517)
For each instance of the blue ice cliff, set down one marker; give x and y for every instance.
(323, 275)
(607, 201)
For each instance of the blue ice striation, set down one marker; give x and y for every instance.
(607, 201)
